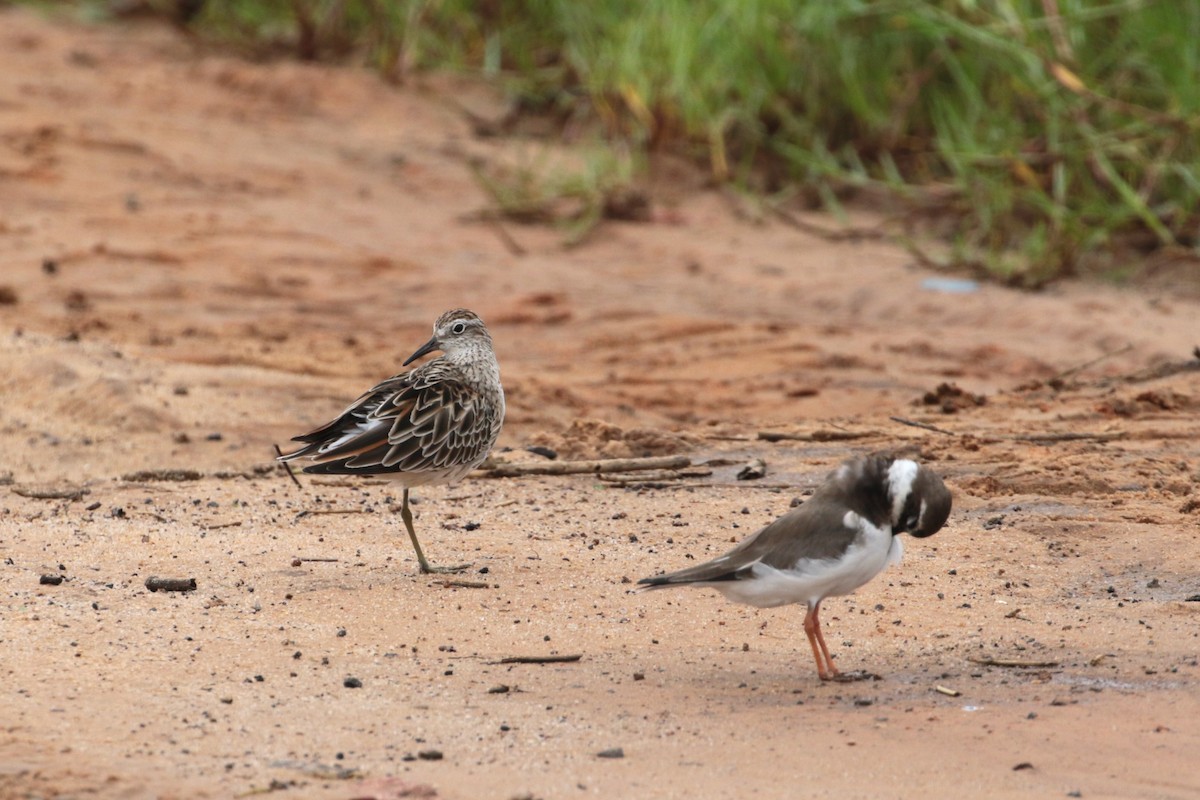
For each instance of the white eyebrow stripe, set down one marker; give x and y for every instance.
(901, 475)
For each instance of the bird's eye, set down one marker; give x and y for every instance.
(458, 327)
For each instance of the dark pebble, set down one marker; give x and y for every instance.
(93, 506)
(471, 526)
(863, 701)
(503, 688)
(214, 437)
(612, 752)
(1022, 765)
(544, 452)
(352, 683)
(430, 755)
(50, 580)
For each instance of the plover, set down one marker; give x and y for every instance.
(430, 425)
(833, 543)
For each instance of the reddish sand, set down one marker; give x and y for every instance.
(200, 257)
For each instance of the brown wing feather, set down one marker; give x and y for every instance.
(422, 420)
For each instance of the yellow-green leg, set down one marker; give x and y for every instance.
(426, 567)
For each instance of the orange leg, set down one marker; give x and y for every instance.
(812, 628)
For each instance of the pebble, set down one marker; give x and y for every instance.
(612, 752)
(352, 683)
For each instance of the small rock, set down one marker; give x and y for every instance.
(753, 470)
(612, 752)
(502, 688)
(430, 755)
(639, 676)
(352, 683)
(50, 580)
(544, 452)
(1022, 765)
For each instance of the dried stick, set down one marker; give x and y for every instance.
(318, 511)
(1005, 662)
(460, 584)
(584, 467)
(654, 475)
(540, 659)
(1069, 437)
(923, 426)
(50, 492)
(1066, 373)
(816, 436)
(148, 475)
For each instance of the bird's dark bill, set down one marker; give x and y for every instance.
(428, 347)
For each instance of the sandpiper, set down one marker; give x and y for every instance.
(430, 425)
(833, 543)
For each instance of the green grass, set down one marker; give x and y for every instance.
(1037, 146)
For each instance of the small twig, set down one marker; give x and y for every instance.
(923, 425)
(461, 584)
(828, 234)
(1164, 370)
(584, 467)
(539, 659)
(318, 511)
(170, 584)
(1069, 437)
(816, 436)
(322, 560)
(947, 691)
(1005, 662)
(51, 492)
(1066, 373)
(513, 247)
(217, 527)
(288, 467)
(169, 474)
(655, 475)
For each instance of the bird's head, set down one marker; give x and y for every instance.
(455, 332)
(920, 501)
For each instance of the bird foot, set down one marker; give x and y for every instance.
(851, 677)
(434, 569)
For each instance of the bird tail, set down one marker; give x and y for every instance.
(699, 574)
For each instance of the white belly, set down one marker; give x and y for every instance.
(811, 580)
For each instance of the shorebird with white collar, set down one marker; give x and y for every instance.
(833, 543)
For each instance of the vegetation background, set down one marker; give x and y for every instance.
(1037, 138)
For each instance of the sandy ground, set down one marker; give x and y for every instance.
(200, 257)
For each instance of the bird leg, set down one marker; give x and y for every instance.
(426, 567)
(812, 628)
